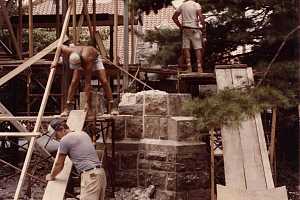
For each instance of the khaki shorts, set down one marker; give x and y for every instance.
(98, 65)
(93, 185)
(191, 35)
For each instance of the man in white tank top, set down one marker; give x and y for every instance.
(192, 26)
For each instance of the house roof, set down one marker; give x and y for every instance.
(49, 7)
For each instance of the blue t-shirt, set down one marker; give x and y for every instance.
(79, 147)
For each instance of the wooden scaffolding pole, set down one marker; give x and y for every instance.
(29, 62)
(10, 28)
(30, 27)
(20, 27)
(126, 44)
(272, 149)
(87, 17)
(74, 31)
(43, 104)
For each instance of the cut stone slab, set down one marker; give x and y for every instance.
(155, 103)
(131, 109)
(134, 127)
(177, 104)
(182, 129)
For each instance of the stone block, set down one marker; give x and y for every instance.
(128, 99)
(163, 127)
(126, 179)
(157, 156)
(128, 160)
(163, 166)
(182, 129)
(164, 195)
(132, 109)
(142, 177)
(203, 194)
(188, 181)
(171, 181)
(157, 178)
(119, 132)
(134, 127)
(143, 164)
(151, 127)
(98, 102)
(155, 103)
(177, 104)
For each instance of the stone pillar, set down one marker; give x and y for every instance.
(160, 146)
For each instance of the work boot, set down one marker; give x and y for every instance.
(69, 106)
(111, 108)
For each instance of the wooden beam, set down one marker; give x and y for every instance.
(29, 62)
(75, 122)
(227, 193)
(28, 118)
(74, 23)
(272, 148)
(20, 26)
(10, 28)
(19, 134)
(30, 28)
(100, 45)
(125, 44)
(88, 19)
(43, 104)
(21, 128)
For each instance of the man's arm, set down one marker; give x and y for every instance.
(201, 18)
(64, 51)
(176, 19)
(59, 165)
(87, 85)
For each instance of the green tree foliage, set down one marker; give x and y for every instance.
(231, 106)
(235, 23)
(41, 39)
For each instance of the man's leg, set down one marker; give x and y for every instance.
(107, 90)
(187, 56)
(71, 91)
(199, 59)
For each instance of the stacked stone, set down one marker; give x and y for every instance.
(160, 146)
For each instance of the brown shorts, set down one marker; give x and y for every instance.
(194, 36)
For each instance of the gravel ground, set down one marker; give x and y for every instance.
(288, 176)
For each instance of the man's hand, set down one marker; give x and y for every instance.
(49, 177)
(53, 65)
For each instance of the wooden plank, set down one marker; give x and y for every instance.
(100, 44)
(19, 134)
(252, 160)
(21, 128)
(224, 79)
(233, 158)
(227, 193)
(43, 104)
(239, 78)
(29, 62)
(28, 118)
(264, 152)
(88, 19)
(56, 189)
(75, 122)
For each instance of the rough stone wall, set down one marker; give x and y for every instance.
(160, 146)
